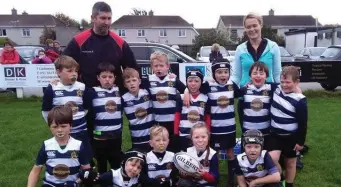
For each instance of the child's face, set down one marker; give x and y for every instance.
(60, 131)
(133, 167)
(50, 44)
(56, 45)
(68, 75)
(106, 79)
(193, 84)
(258, 77)
(8, 47)
(252, 151)
(287, 84)
(160, 67)
(160, 142)
(132, 84)
(200, 139)
(41, 54)
(222, 75)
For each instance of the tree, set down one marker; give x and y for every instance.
(85, 24)
(48, 33)
(268, 32)
(208, 39)
(68, 21)
(139, 12)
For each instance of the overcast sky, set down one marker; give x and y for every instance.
(203, 13)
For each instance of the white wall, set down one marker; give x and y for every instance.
(16, 35)
(294, 43)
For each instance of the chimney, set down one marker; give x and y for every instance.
(271, 12)
(14, 12)
(24, 13)
(151, 13)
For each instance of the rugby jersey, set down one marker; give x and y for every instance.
(62, 165)
(160, 168)
(256, 107)
(139, 111)
(115, 178)
(262, 167)
(71, 95)
(107, 111)
(289, 114)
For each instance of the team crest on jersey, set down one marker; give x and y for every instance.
(223, 101)
(140, 113)
(256, 104)
(110, 106)
(202, 104)
(161, 96)
(259, 167)
(61, 171)
(193, 116)
(230, 88)
(79, 93)
(146, 98)
(101, 94)
(73, 106)
(74, 155)
(170, 84)
(265, 93)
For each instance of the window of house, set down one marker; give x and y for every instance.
(163, 33)
(141, 33)
(234, 33)
(328, 35)
(26, 32)
(320, 36)
(338, 34)
(122, 32)
(182, 33)
(3, 32)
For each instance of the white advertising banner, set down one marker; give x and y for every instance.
(205, 68)
(26, 75)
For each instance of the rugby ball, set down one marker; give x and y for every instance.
(186, 163)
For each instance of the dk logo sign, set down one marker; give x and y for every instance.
(15, 72)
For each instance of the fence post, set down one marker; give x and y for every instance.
(20, 93)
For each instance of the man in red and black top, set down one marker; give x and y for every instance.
(99, 44)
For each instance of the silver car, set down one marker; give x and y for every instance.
(309, 53)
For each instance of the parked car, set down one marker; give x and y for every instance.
(27, 53)
(143, 50)
(309, 53)
(285, 55)
(204, 54)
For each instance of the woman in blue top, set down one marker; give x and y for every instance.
(253, 50)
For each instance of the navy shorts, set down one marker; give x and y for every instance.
(223, 141)
(285, 144)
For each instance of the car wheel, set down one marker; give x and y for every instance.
(328, 87)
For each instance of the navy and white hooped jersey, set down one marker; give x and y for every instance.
(139, 111)
(163, 94)
(288, 112)
(256, 107)
(221, 100)
(262, 167)
(207, 167)
(193, 114)
(61, 164)
(115, 179)
(107, 110)
(56, 95)
(160, 168)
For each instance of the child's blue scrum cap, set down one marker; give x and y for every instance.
(220, 65)
(195, 73)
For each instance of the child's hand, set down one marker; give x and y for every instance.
(253, 183)
(187, 98)
(172, 75)
(54, 82)
(298, 147)
(199, 174)
(297, 90)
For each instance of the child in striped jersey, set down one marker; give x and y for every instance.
(161, 169)
(289, 116)
(164, 88)
(68, 91)
(255, 166)
(197, 112)
(62, 155)
(138, 107)
(257, 100)
(106, 105)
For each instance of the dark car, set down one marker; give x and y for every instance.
(143, 50)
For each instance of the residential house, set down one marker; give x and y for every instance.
(234, 26)
(25, 29)
(171, 30)
(328, 37)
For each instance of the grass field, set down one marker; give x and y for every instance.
(23, 131)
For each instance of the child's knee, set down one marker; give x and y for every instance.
(290, 163)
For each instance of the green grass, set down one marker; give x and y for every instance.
(23, 131)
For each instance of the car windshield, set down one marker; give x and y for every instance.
(317, 51)
(25, 52)
(188, 57)
(284, 52)
(205, 51)
(331, 52)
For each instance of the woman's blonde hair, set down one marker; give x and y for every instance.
(255, 16)
(215, 47)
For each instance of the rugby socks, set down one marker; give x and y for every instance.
(288, 184)
(231, 165)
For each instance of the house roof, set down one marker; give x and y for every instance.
(132, 21)
(29, 20)
(273, 20)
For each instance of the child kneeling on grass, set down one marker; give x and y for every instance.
(62, 155)
(255, 166)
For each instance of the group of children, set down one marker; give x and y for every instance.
(197, 118)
